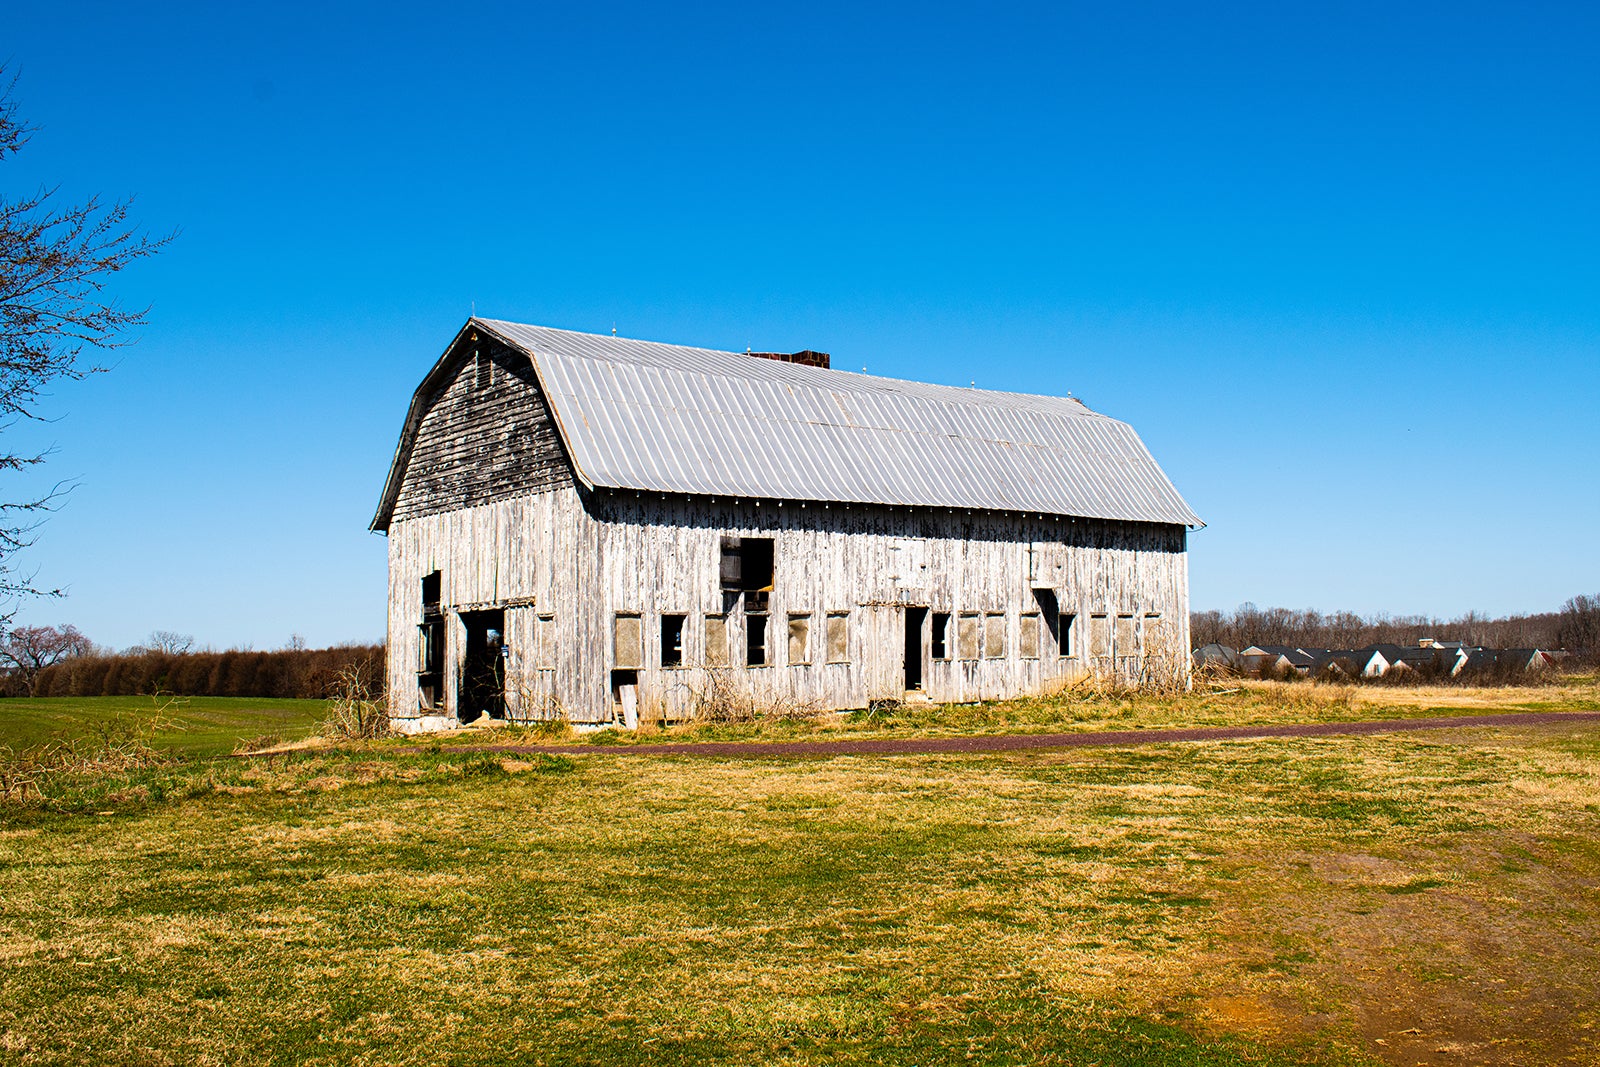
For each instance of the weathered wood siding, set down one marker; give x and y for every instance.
(486, 435)
(579, 558)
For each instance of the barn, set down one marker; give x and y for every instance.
(609, 530)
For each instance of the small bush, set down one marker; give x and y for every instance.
(354, 713)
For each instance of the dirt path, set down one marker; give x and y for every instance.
(1023, 742)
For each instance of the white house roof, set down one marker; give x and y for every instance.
(667, 418)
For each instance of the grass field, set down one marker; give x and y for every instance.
(195, 726)
(1386, 899)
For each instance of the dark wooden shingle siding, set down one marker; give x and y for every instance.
(487, 435)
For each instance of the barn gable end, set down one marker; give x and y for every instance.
(480, 432)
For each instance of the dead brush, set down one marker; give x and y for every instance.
(354, 713)
(1165, 673)
(724, 701)
(538, 712)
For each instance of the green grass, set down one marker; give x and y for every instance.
(1262, 902)
(196, 726)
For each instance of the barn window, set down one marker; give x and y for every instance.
(800, 639)
(1028, 636)
(544, 642)
(968, 630)
(430, 644)
(1099, 636)
(941, 635)
(627, 642)
(672, 640)
(430, 665)
(1152, 630)
(716, 640)
(485, 371)
(994, 636)
(755, 640)
(1066, 637)
(1127, 636)
(838, 637)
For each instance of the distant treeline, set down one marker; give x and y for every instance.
(1576, 627)
(307, 673)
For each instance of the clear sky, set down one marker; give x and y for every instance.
(1338, 267)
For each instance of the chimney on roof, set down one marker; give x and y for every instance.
(806, 357)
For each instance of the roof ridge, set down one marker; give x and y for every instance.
(769, 370)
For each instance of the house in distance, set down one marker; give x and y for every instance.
(600, 528)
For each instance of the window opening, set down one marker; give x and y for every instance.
(545, 647)
(968, 630)
(1127, 636)
(755, 641)
(430, 641)
(940, 638)
(839, 637)
(1028, 636)
(672, 640)
(627, 645)
(994, 636)
(800, 639)
(1099, 636)
(1066, 638)
(716, 640)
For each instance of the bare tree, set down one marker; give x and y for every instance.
(173, 644)
(27, 650)
(55, 262)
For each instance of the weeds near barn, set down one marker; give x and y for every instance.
(355, 713)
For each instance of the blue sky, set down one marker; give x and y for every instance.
(1338, 268)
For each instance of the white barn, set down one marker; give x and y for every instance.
(601, 528)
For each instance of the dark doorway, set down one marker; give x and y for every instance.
(915, 617)
(483, 672)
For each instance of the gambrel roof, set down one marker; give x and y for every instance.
(672, 419)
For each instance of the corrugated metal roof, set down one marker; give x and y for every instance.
(667, 418)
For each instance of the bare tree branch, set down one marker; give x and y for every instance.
(56, 261)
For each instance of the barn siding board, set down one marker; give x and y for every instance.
(584, 557)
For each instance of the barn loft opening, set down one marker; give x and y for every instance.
(748, 568)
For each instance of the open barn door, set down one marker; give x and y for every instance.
(483, 670)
